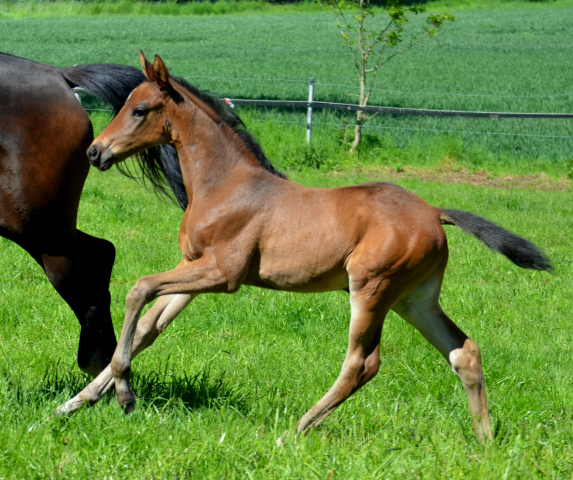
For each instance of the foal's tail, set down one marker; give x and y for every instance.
(519, 250)
(112, 84)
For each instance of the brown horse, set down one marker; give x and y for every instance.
(44, 133)
(246, 224)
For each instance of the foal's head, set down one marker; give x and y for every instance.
(142, 122)
(152, 115)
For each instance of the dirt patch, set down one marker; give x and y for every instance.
(539, 181)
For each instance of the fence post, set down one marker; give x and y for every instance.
(309, 112)
(77, 91)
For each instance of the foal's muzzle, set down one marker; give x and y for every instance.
(101, 160)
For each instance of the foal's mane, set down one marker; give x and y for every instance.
(160, 165)
(231, 119)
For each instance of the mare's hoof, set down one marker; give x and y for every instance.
(93, 369)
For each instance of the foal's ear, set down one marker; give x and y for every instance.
(146, 67)
(160, 73)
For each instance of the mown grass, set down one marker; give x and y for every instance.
(235, 372)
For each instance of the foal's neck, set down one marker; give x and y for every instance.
(210, 152)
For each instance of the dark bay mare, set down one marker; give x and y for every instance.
(247, 224)
(44, 134)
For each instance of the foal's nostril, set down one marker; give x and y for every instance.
(93, 155)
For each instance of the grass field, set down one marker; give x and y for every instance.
(220, 393)
(233, 373)
(494, 60)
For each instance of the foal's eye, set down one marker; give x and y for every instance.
(139, 112)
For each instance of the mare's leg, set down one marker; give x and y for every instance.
(97, 337)
(190, 277)
(153, 323)
(362, 357)
(81, 273)
(421, 309)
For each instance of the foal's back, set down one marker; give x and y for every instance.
(315, 237)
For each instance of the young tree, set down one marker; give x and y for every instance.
(375, 38)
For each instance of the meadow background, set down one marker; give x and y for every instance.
(220, 393)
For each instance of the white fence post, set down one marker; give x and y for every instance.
(309, 113)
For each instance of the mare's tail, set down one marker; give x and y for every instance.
(109, 83)
(519, 250)
(112, 84)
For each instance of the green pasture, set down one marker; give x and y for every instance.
(221, 391)
(513, 59)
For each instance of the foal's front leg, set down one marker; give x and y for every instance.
(153, 323)
(199, 276)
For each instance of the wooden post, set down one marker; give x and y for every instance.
(309, 112)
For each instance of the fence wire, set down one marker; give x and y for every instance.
(294, 104)
(432, 130)
(381, 127)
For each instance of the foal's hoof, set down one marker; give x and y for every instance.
(69, 407)
(125, 396)
(128, 407)
(127, 402)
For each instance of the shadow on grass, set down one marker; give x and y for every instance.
(162, 389)
(200, 390)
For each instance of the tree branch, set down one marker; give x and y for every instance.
(369, 46)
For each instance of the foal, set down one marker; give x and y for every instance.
(246, 224)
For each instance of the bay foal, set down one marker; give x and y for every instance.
(246, 224)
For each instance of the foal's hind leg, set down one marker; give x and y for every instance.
(153, 323)
(421, 309)
(362, 358)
